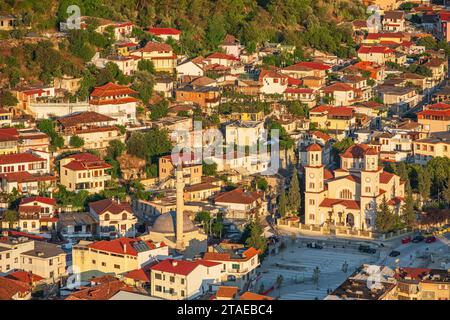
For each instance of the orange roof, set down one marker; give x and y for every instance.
(349, 204)
(385, 177)
(254, 296)
(224, 56)
(181, 267)
(139, 275)
(111, 206)
(25, 277)
(102, 291)
(238, 195)
(164, 31)
(314, 147)
(9, 288)
(227, 292)
(358, 151)
(156, 46)
(122, 245)
(19, 158)
(375, 49)
(334, 111)
(110, 89)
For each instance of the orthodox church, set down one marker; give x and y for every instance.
(349, 196)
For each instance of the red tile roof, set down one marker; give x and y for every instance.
(375, 49)
(314, 147)
(226, 256)
(9, 134)
(102, 291)
(223, 56)
(227, 292)
(238, 195)
(385, 177)
(110, 89)
(46, 200)
(334, 111)
(349, 204)
(139, 275)
(164, 31)
(156, 46)
(19, 158)
(339, 86)
(181, 267)
(321, 135)
(86, 161)
(111, 206)
(122, 245)
(357, 151)
(9, 288)
(82, 118)
(25, 176)
(254, 296)
(25, 277)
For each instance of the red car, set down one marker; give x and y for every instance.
(406, 240)
(430, 239)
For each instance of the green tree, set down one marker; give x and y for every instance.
(146, 65)
(7, 99)
(424, 183)
(262, 184)
(409, 214)
(294, 196)
(143, 83)
(204, 217)
(11, 217)
(209, 169)
(115, 148)
(340, 146)
(282, 204)
(76, 142)
(256, 238)
(446, 192)
(384, 220)
(159, 110)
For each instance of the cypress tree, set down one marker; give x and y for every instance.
(294, 197)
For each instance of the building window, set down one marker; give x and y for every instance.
(172, 279)
(103, 264)
(158, 276)
(116, 266)
(158, 288)
(368, 189)
(311, 202)
(50, 262)
(312, 217)
(345, 194)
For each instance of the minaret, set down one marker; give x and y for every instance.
(180, 207)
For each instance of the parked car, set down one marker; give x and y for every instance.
(418, 239)
(394, 253)
(314, 245)
(367, 249)
(430, 239)
(406, 240)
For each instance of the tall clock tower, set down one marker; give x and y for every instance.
(314, 185)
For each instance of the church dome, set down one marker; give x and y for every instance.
(166, 222)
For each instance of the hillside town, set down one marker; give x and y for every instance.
(142, 161)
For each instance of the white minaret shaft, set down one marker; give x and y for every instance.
(180, 206)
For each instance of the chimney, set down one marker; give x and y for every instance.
(174, 263)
